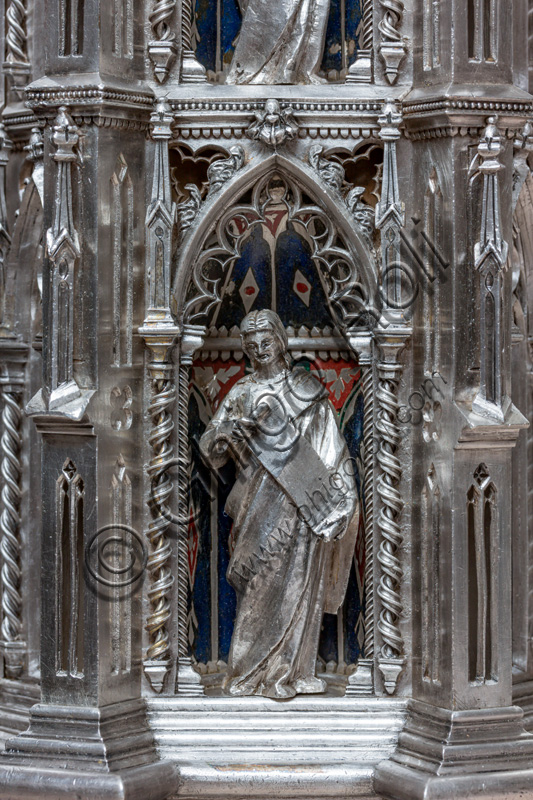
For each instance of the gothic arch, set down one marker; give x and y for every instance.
(244, 180)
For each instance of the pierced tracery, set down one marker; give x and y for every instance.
(274, 213)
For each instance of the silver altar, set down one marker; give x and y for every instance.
(141, 167)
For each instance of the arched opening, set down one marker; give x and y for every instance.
(275, 246)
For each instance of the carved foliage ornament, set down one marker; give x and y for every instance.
(274, 125)
(218, 173)
(333, 174)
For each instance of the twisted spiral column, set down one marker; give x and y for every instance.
(160, 19)
(191, 69)
(188, 680)
(162, 48)
(391, 21)
(368, 36)
(391, 507)
(361, 69)
(368, 489)
(16, 38)
(392, 47)
(158, 564)
(10, 546)
(184, 460)
(391, 659)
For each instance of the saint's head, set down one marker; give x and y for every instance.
(264, 340)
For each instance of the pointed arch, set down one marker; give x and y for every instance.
(244, 180)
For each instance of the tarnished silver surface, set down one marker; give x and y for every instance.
(284, 47)
(408, 174)
(294, 498)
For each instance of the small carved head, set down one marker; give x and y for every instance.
(263, 337)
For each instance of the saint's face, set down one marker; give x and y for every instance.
(262, 347)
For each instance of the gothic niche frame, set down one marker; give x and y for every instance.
(177, 328)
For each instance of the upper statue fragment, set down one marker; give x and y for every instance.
(281, 44)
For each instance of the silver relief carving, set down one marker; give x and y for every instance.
(490, 261)
(16, 42)
(11, 644)
(187, 210)
(295, 515)
(70, 584)
(361, 70)
(188, 680)
(122, 223)
(391, 658)
(364, 215)
(391, 48)
(157, 662)
(331, 172)
(121, 501)
(273, 126)
(5, 238)
(163, 46)
(281, 47)
(390, 214)
(63, 249)
(222, 170)
(159, 334)
(191, 69)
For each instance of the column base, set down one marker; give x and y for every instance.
(17, 697)
(152, 782)
(523, 697)
(86, 753)
(445, 754)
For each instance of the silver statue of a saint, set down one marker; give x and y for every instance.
(295, 513)
(281, 41)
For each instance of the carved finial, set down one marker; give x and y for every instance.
(274, 125)
(35, 147)
(65, 136)
(491, 247)
(161, 119)
(389, 122)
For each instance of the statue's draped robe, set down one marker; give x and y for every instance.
(284, 575)
(280, 42)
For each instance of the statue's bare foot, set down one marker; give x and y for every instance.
(279, 691)
(310, 685)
